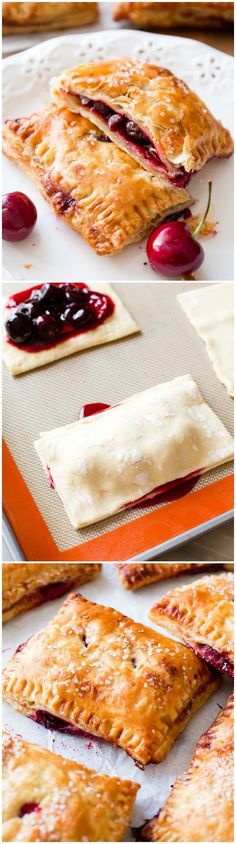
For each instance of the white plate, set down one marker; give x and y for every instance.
(54, 252)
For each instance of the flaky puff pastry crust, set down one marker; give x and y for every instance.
(101, 672)
(201, 614)
(26, 585)
(72, 803)
(62, 152)
(178, 124)
(169, 15)
(135, 575)
(37, 17)
(200, 805)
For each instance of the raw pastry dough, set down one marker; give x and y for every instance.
(211, 312)
(49, 798)
(71, 163)
(135, 575)
(201, 614)
(37, 17)
(165, 125)
(103, 463)
(26, 585)
(201, 803)
(101, 672)
(120, 324)
(169, 15)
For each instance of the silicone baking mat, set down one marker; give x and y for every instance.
(166, 347)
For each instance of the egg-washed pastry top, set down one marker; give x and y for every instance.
(37, 17)
(93, 669)
(26, 585)
(147, 111)
(49, 798)
(201, 803)
(107, 462)
(71, 161)
(169, 15)
(201, 614)
(135, 575)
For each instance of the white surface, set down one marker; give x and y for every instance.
(58, 252)
(155, 780)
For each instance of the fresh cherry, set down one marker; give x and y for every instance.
(19, 216)
(46, 326)
(172, 250)
(18, 327)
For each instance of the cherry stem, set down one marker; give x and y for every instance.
(197, 230)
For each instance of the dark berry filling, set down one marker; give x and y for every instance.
(48, 314)
(27, 808)
(132, 134)
(51, 722)
(55, 590)
(220, 661)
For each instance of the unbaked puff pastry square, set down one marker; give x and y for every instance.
(170, 15)
(25, 357)
(93, 669)
(135, 575)
(148, 112)
(201, 803)
(27, 585)
(107, 462)
(211, 312)
(49, 798)
(201, 614)
(37, 17)
(71, 160)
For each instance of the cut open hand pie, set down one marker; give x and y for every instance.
(201, 614)
(107, 462)
(49, 798)
(37, 17)
(135, 575)
(27, 585)
(201, 803)
(170, 15)
(148, 112)
(93, 185)
(93, 669)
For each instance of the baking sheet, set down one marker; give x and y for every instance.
(155, 780)
(167, 346)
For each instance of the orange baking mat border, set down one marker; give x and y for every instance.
(121, 543)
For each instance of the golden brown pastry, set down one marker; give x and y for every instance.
(201, 614)
(135, 575)
(37, 17)
(200, 805)
(71, 161)
(95, 670)
(169, 15)
(148, 112)
(49, 798)
(27, 585)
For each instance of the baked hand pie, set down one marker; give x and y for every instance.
(201, 614)
(37, 17)
(107, 462)
(49, 798)
(201, 803)
(169, 15)
(148, 112)
(93, 669)
(71, 160)
(211, 311)
(27, 585)
(135, 575)
(51, 321)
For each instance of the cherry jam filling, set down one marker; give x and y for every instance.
(47, 314)
(219, 661)
(27, 808)
(132, 134)
(55, 590)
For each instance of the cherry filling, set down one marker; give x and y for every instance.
(220, 661)
(27, 808)
(55, 590)
(47, 314)
(51, 722)
(133, 135)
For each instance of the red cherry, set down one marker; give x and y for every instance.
(19, 216)
(172, 251)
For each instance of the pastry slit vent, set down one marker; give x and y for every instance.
(133, 136)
